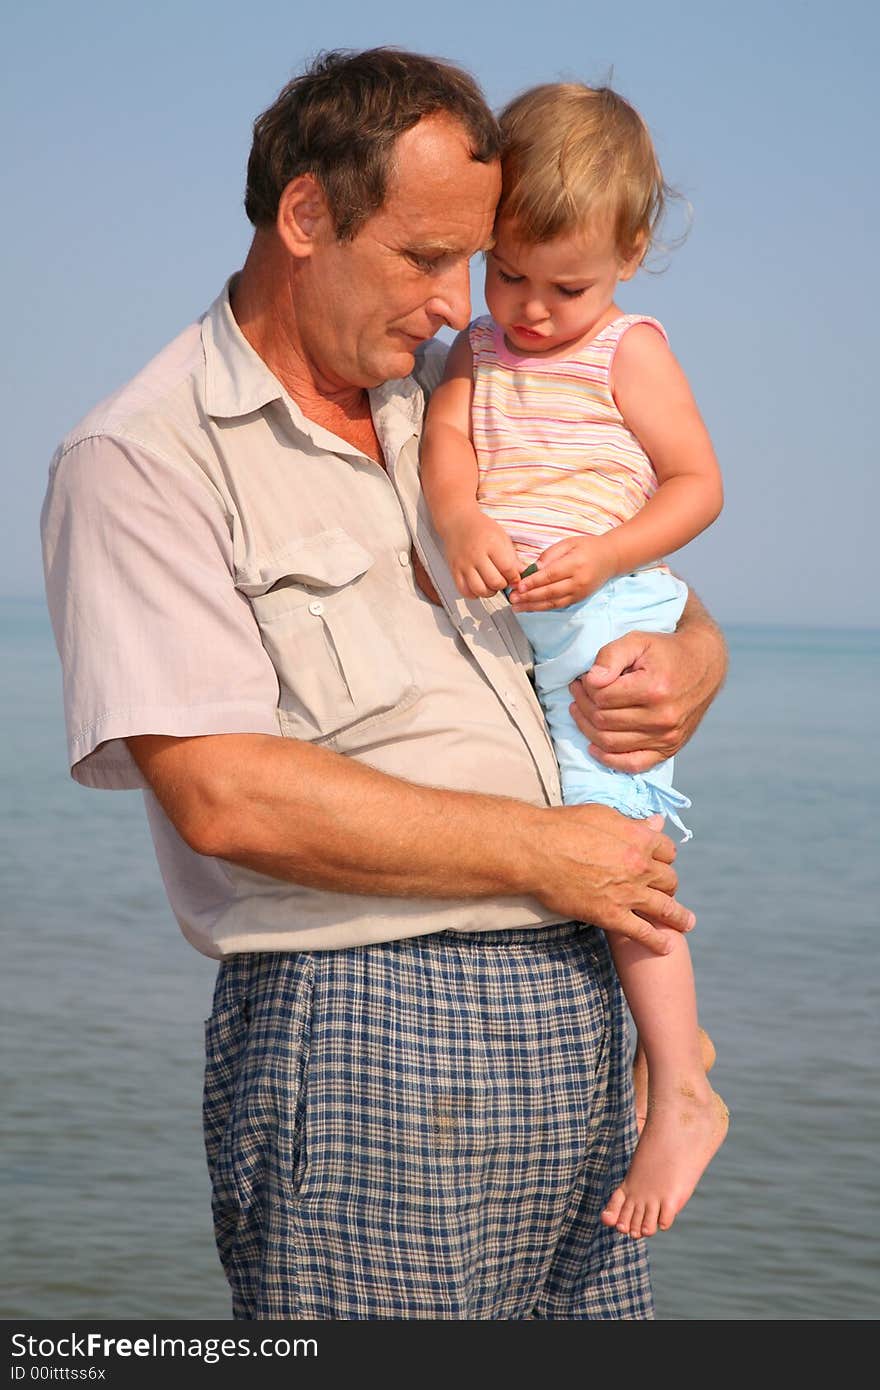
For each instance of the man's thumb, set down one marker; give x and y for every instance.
(612, 661)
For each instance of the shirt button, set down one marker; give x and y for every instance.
(403, 557)
(316, 608)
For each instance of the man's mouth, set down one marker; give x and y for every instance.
(412, 339)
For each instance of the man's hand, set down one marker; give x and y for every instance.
(648, 691)
(567, 572)
(611, 871)
(480, 554)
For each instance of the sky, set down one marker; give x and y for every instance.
(126, 130)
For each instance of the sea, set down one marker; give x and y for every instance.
(105, 1202)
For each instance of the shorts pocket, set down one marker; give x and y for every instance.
(226, 1033)
(320, 611)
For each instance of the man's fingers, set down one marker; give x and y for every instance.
(627, 762)
(623, 740)
(664, 877)
(624, 749)
(660, 940)
(630, 690)
(620, 731)
(661, 911)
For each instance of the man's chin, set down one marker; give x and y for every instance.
(398, 362)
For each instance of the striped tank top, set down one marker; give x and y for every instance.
(555, 457)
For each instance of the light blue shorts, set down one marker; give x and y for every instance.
(565, 643)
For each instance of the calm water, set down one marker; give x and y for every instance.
(105, 1208)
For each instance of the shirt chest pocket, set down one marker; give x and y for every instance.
(324, 620)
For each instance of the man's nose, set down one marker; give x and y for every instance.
(453, 298)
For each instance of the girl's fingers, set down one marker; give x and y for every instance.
(492, 578)
(548, 595)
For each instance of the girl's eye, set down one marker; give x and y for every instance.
(571, 294)
(508, 279)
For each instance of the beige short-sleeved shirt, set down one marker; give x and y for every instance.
(217, 563)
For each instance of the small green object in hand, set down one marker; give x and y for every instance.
(532, 569)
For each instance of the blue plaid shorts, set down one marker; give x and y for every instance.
(425, 1128)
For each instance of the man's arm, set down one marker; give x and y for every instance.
(311, 816)
(647, 692)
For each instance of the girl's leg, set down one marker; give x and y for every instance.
(685, 1120)
(640, 1073)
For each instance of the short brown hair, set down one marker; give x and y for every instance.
(574, 156)
(340, 119)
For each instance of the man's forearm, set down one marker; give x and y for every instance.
(310, 816)
(699, 626)
(703, 660)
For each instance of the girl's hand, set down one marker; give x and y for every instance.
(567, 572)
(481, 555)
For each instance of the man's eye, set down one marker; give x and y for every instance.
(423, 263)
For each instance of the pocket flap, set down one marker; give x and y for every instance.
(325, 561)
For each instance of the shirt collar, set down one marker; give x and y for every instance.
(238, 382)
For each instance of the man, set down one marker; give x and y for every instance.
(417, 1096)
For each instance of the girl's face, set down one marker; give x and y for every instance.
(554, 295)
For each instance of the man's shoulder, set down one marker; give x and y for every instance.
(430, 363)
(162, 393)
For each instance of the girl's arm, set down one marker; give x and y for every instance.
(656, 402)
(448, 465)
(480, 554)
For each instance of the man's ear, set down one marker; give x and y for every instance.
(302, 215)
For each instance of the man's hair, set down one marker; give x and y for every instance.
(577, 157)
(339, 122)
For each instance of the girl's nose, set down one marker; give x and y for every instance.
(534, 310)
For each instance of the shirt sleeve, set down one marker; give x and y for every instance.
(154, 637)
(430, 363)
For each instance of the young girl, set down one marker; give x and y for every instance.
(563, 457)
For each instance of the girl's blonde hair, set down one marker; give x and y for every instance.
(574, 157)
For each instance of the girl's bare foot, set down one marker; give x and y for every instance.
(707, 1049)
(681, 1134)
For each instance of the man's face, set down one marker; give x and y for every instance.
(364, 306)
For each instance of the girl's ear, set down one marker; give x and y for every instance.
(629, 266)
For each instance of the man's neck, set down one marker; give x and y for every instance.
(271, 330)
